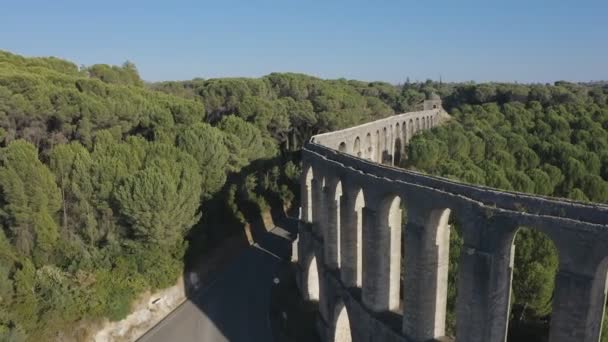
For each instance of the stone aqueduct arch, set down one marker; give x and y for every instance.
(351, 230)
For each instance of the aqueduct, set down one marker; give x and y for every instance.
(369, 287)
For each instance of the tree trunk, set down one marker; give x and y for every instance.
(65, 211)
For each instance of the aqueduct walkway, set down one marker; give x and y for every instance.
(351, 261)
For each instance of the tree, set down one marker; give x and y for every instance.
(520, 181)
(459, 146)
(536, 260)
(245, 142)
(595, 188)
(496, 176)
(25, 302)
(425, 153)
(30, 199)
(126, 74)
(542, 182)
(206, 144)
(72, 165)
(526, 159)
(161, 200)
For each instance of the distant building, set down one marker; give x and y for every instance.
(432, 102)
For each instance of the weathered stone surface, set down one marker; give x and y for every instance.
(350, 191)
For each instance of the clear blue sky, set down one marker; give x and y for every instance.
(525, 41)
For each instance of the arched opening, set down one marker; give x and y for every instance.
(535, 265)
(398, 152)
(342, 147)
(417, 124)
(454, 248)
(312, 281)
(342, 331)
(404, 133)
(389, 147)
(359, 205)
(307, 196)
(403, 261)
(384, 139)
(396, 149)
(369, 147)
(384, 155)
(390, 216)
(357, 147)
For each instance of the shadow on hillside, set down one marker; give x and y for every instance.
(233, 214)
(234, 254)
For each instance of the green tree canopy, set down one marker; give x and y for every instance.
(207, 145)
(161, 200)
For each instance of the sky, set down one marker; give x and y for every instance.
(522, 41)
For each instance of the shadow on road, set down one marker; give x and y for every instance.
(235, 304)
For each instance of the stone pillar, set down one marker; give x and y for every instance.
(303, 237)
(375, 263)
(377, 149)
(427, 242)
(392, 227)
(294, 249)
(484, 281)
(348, 239)
(473, 289)
(403, 141)
(324, 299)
(502, 277)
(381, 260)
(412, 131)
(306, 196)
(359, 249)
(578, 306)
(318, 208)
(331, 242)
(391, 148)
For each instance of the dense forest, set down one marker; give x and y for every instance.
(105, 181)
(103, 175)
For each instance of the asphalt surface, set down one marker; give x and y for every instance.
(235, 305)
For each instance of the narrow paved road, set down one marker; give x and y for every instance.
(234, 307)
